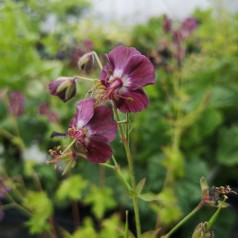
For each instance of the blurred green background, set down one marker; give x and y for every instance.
(189, 130)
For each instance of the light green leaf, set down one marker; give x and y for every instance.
(101, 200)
(140, 186)
(86, 230)
(149, 197)
(71, 188)
(227, 153)
(41, 207)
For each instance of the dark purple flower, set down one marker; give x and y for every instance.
(189, 25)
(124, 76)
(17, 103)
(167, 24)
(177, 36)
(93, 128)
(64, 87)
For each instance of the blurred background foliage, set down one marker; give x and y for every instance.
(189, 130)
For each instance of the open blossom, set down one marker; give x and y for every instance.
(64, 87)
(124, 76)
(93, 128)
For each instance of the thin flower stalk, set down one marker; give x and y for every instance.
(184, 220)
(132, 174)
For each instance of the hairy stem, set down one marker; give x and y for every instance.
(124, 138)
(185, 219)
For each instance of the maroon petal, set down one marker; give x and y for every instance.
(102, 124)
(140, 72)
(54, 85)
(137, 101)
(64, 87)
(98, 151)
(84, 112)
(120, 55)
(105, 74)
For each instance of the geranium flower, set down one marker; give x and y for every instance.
(124, 76)
(189, 25)
(93, 128)
(64, 87)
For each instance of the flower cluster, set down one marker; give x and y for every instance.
(181, 44)
(121, 84)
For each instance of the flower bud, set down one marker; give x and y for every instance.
(189, 25)
(204, 187)
(167, 24)
(86, 62)
(64, 87)
(17, 104)
(201, 231)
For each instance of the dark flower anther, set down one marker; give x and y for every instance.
(124, 76)
(64, 87)
(93, 127)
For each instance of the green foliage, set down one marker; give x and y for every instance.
(86, 231)
(112, 227)
(189, 130)
(71, 189)
(167, 210)
(101, 200)
(41, 208)
(227, 152)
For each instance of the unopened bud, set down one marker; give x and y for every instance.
(201, 231)
(204, 187)
(17, 104)
(64, 87)
(86, 62)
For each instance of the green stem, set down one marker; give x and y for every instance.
(97, 59)
(214, 217)
(117, 169)
(127, 128)
(69, 146)
(19, 207)
(185, 219)
(119, 173)
(131, 171)
(85, 78)
(126, 226)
